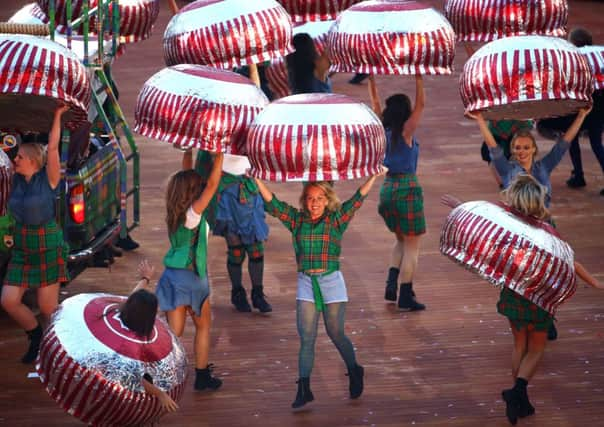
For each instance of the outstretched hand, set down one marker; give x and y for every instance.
(167, 402)
(145, 269)
(450, 201)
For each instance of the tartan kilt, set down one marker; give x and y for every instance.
(522, 312)
(402, 204)
(39, 256)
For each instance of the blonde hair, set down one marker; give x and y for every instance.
(333, 203)
(184, 187)
(524, 134)
(36, 152)
(526, 195)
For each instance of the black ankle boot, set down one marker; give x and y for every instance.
(406, 299)
(391, 284)
(35, 337)
(304, 395)
(512, 405)
(258, 300)
(239, 300)
(552, 332)
(205, 380)
(516, 400)
(355, 381)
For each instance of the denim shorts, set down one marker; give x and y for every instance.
(178, 287)
(333, 288)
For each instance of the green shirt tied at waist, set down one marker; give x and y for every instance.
(188, 248)
(317, 243)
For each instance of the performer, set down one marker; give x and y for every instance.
(523, 153)
(183, 287)
(401, 197)
(529, 322)
(593, 124)
(307, 70)
(238, 215)
(138, 314)
(39, 253)
(317, 230)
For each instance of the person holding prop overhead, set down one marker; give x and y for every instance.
(401, 197)
(183, 287)
(317, 229)
(39, 253)
(524, 150)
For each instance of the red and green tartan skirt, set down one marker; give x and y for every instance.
(39, 256)
(521, 312)
(402, 204)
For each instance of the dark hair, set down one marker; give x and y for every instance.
(301, 63)
(396, 113)
(580, 37)
(139, 311)
(184, 187)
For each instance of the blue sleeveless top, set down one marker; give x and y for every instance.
(33, 202)
(400, 158)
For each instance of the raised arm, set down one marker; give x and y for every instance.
(266, 194)
(418, 108)
(145, 274)
(572, 131)
(366, 186)
(53, 161)
(374, 96)
(173, 6)
(586, 277)
(208, 192)
(489, 139)
(187, 159)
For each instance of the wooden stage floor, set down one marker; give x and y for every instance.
(445, 366)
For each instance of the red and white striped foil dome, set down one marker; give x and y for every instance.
(276, 73)
(29, 14)
(136, 16)
(228, 33)
(484, 21)
(595, 58)
(315, 137)
(36, 75)
(508, 249)
(198, 106)
(526, 77)
(92, 365)
(315, 10)
(391, 37)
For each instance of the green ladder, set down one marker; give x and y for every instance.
(114, 123)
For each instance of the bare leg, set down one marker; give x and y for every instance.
(410, 257)
(202, 335)
(536, 347)
(520, 348)
(176, 319)
(48, 300)
(11, 302)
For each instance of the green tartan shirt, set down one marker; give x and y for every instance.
(317, 243)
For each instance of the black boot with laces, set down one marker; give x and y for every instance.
(205, 380)
(258, 300)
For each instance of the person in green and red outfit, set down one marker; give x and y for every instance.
(237, 214)
(183, 288)
(317, 229)
(529, 322)
(39, 253)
